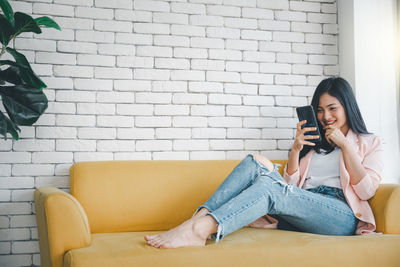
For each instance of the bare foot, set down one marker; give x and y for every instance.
(193, 232)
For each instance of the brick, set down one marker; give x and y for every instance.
(292, 101)
(208, 133)
(287, 122)
(273, 25)
(190, 53)
(135, 62)
(207, 110)
(112, 73)
(93, 84)
(115, 97)
(116, 49)
(173, 18)
(5, 195)
(241, 133)
(329, 8)
(207, 155)
(221, 32)
(35, 44)
(76, 145)
(187, 98)
(258, 100)
(216, 122)
(226, 144)
(257, 78)
(77, 47)
(296, 37)
(188, 75)
(222, 76)
(202, 64)
(16, 260)
(171, 110)
(331, 70)
(133, 156)
(75, 120)
(113, 26)
(260, 144)
(42, 69)
(153, 121)
(115, 145)
(323, 59)
(93, 156)
(169, 86)
(190, 145)
(290, 15)
(94, 13)
(33, 169)
(16, 182)
(15, 157)
(10, 209)
(240, 88)
(154, 145)
(22, 195)
(321, 18)
(261, 122)
(306, 27)
(307, 69)
(188, 30)
(95, 108)
(153, 28)
(51, 157)
(158, 98)
(244, 3)
(275, 46)
(22, 221)
(59, 182)
(34, 145)
(305, 6)
(5, 169)
(201, 42)
(303, 90)
(133, 15)
(135, 133)
(275, 68)
(257, 13)
(203, 20)
(128, 85)
(73, 71)
(277, 133)
(94, 36)
(225, 54)
(242, 111)
(240, 23)
(273, 4)
(320, 38)
(25, 247)
(123, 4)
(187, 8)
(203, 87)
(223, 10)
(133, 38)
(167, 40)
(172, 63)
(74, 23)
(330, 28)
(173, 133)
(134, 109)
(315, 80)
(276, 112)
(186, 121)
(256, 35)
(75, 96)
(53, 9)
(154, 51)
(151, 5)
(6, 145)
(55, 58)
(330, 50)
(307, 48)
(291, 58)
(275, 90)
(5, 248)
(152, 74)
(290, 79)
(241, 66)
(224, 99)
(258, 56)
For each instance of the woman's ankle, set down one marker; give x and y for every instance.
(205, 226)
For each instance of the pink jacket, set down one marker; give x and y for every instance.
(368, 149)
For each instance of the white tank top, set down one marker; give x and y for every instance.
(324, 170)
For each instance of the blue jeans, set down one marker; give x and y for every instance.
(251, 191)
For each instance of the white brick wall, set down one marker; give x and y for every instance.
(156, 80)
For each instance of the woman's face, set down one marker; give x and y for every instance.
(331, 112)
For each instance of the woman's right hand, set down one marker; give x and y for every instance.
(301, 139)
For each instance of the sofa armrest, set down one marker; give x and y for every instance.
(62, 225)
(386, 207)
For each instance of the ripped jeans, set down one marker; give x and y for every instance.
(251, 191)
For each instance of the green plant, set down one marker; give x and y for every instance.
(20, 88)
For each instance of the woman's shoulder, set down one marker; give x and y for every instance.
(371, 140)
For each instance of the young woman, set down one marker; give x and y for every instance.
(325, 186)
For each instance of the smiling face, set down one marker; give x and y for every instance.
(331, 112)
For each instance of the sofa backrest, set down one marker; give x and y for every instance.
(120, 196)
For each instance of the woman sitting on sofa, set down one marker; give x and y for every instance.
(325, 186)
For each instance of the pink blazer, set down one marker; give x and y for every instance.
(368, 149)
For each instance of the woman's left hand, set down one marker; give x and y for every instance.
(334, 136)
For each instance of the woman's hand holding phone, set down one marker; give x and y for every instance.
(302, 139)
(334, 136)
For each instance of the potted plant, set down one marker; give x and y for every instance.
(20, 88)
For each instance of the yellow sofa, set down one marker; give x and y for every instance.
(113, 204)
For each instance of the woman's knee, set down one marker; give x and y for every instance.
(264, 160)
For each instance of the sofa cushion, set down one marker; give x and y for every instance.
(125, 196)
(265, 247)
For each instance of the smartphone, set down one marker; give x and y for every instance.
(307, 113)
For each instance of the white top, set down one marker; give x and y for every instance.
(324, 170)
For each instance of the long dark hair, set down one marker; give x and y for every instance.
(341, 90)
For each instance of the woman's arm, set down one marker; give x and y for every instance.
(353, 164)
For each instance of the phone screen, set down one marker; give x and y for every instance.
(307, 113)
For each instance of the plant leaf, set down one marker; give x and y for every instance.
(7, 10)
(25, 23)
(27, 74)
(23, 104)
(11, 75)
(6, 30)
(47, 22)
(7, 126)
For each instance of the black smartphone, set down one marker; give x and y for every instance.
(307, 113)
